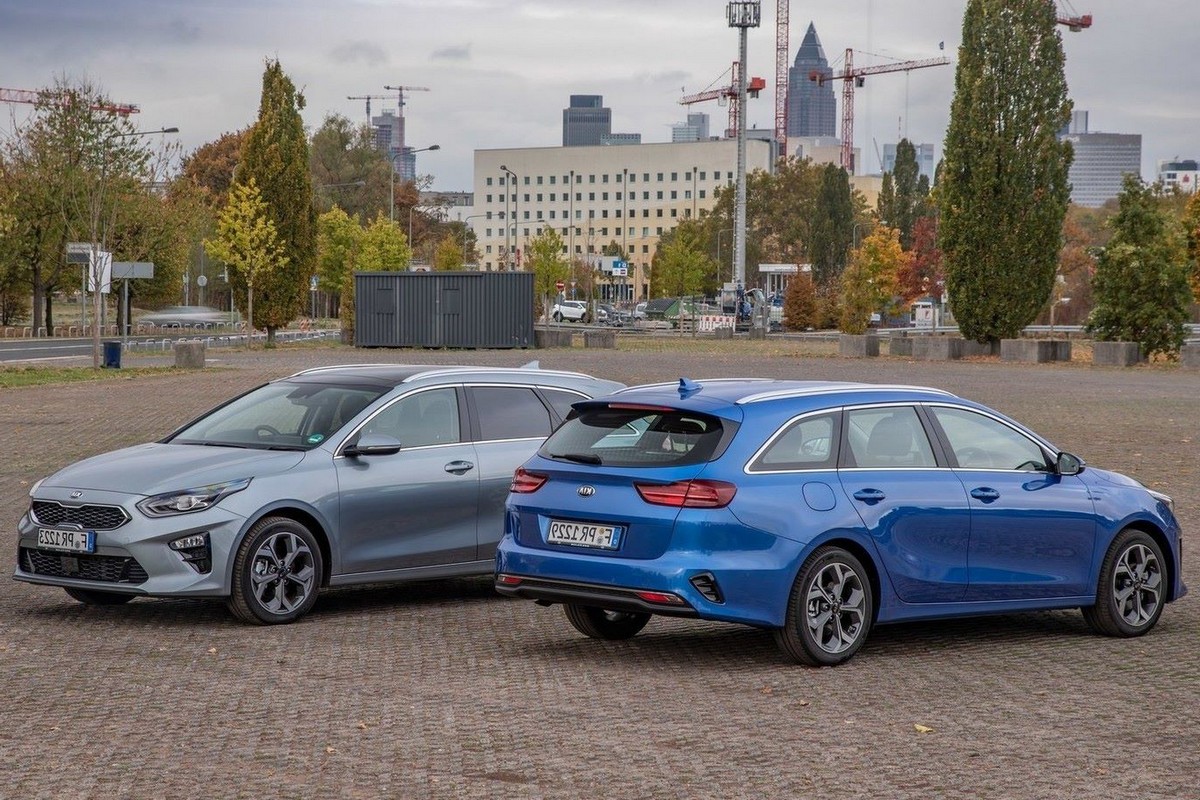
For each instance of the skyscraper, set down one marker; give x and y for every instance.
(1101, 162)
(586, 122)
(811, 107)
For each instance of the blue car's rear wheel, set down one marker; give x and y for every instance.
(1132, 587)
(599, 623)
(276, 574)
(829, 610)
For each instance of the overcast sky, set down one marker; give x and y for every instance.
(500, 71)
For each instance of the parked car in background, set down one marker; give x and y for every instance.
(333, 476)
(639, 311)
(818, 510)
(571, 311)
(185, 317)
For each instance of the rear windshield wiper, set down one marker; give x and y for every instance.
(579, 458)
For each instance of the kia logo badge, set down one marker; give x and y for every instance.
(587, 491)
(76, 495)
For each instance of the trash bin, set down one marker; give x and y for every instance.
(112, 355)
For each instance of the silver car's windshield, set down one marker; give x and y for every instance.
(280, 416)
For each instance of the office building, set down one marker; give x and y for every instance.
(811, 105)
(1181, 175)
(694, 130)
(1102, 160)
(592, 196)
(586, 121)
(925, 161)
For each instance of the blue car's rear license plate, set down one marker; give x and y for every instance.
(584, 534)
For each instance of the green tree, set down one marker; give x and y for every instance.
(544, 257)
(448, 255)
(1003, 191)
(832, 230)
(275, 156)
(1141, 287)
(902, 198)
(347, 170)
(681, 262)
(339, 238)
(384, 248)
(247, 243)
(1191, 224)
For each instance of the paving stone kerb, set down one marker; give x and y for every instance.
(444, 690)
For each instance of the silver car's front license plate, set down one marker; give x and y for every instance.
(66, 541)
(580, 534)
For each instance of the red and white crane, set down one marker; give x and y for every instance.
(728, 94)
(32, 98)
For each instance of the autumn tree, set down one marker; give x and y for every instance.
(1141, 289)
(384, 248)
(800, 303)
(1003, 190)
(448, 255)
(248, 244)
(211, 166)
(339, 239)
(1191, 224)
(921, 273)
(275, 156)
(869, 282)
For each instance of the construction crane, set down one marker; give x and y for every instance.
(369, 98)
(781, 74)
(1074, 22)
(728, 94)
(400, 90)
(26, 96)
(851, 77)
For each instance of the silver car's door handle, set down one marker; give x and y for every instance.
(459, 467)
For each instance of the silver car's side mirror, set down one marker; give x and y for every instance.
(373, 444)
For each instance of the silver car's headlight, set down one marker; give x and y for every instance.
(188, 500)
(34, 488)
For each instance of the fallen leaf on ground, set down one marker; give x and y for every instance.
(923, 729)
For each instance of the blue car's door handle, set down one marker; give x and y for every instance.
(459, 467)
(869, 496)
(985, 494)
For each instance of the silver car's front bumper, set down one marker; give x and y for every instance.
(134, 558)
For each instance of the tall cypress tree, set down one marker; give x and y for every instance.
(908, 197)
(1003, 190)
(832, 229)
(275, 156)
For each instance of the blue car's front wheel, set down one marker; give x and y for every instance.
(1132, 587)
(829, 610)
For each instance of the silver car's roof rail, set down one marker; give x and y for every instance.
(312, 370)
(779, 394)
(525, 370)
(701, 381)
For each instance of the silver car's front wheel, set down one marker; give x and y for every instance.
(276, 573)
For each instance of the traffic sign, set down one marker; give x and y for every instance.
(559, 285)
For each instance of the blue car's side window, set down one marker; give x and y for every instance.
(888, 437)
(806, 443)
(980, 442)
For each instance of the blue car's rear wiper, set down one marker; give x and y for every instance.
(580, 458)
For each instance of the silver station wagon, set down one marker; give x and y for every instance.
(330, 477)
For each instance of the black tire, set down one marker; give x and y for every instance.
(94, 597)
(1132, 588)
(599, 623)
(558, 316)
(829, 610)
(276, 573)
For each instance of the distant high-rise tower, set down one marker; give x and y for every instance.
(694, 130)
(586, 122)
(924, 153)
(811, 107)
(1101, 162)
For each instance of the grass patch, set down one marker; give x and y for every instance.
(13, 377)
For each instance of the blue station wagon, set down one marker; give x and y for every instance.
(818, 510)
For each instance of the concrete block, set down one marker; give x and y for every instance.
(972, 348)
(605, 340)
(938, 348)
(1189, 356)
(1029, 351)
(858, 346)
(758, 333)
(900, 346)
(1116, 354)
(723, 333)
(190, 355)
(1061, 350)
(551, 337)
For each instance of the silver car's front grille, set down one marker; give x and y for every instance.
(89, 517)
(105, 569)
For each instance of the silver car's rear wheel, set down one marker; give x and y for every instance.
(601, 623)
(1132, 586)
(277, 573)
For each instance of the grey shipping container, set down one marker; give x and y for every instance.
(443, 309)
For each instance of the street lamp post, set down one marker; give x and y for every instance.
(392, 190)
(466, 230)
(732, 277)
(625, 225)
(743, 15)
(95, 262)
(516, 211)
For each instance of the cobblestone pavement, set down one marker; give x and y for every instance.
(443, 689)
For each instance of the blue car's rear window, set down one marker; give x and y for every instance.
(636, 437)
